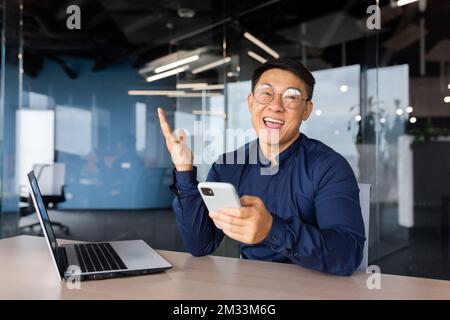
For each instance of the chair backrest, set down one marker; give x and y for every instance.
(364, 201)
(51, 178)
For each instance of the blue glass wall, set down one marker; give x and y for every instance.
(113, 157)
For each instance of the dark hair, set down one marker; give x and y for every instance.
(287, 64)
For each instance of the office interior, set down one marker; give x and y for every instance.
(78, 105)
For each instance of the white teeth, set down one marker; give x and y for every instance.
(273, 120)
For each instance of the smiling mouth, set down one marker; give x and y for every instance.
(272, 123)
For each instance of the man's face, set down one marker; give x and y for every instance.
(274, 123)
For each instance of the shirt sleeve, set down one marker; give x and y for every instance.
(336, 244)
(199, 234)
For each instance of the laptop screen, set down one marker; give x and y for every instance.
(44, 218)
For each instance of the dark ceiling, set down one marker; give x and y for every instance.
(113, 31)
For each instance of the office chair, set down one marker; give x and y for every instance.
(51, 183)
(364, 202)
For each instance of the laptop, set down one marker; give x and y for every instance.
(92, 261)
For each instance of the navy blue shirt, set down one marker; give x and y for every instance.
(313, 197)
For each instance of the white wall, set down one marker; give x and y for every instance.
(35, 141)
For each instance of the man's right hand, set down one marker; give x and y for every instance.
(180, 153)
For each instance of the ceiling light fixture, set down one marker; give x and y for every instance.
(211, 65)
(177, 63)
(166, 74)
(171, 93)
(447, 99)
(154, 92)
(186, 13)
(405, 2)
(262, 45)
(195, 95)
(257, 57)
(191, 85)
(211, 87)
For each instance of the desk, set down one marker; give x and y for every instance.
(26, 272)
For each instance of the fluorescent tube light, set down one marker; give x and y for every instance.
(167, 74)
(154, 92)
(177, 63)
(405, 2)
(211, 65)
(262, 45)
(191, 85)
(257, 57)
(194, 95)
(210, 87)
(171, 93)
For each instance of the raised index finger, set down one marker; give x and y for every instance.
(165, 127)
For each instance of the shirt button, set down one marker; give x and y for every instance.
(274, 238)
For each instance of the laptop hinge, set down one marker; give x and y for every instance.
(62, 261)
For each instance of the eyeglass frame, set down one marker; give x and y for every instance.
(275, 93)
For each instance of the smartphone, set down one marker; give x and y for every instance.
(217, 195)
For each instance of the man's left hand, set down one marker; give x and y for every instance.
(249, 224)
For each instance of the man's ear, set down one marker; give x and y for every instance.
(309, 108)
(250, 102)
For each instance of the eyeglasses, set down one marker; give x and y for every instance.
(291, 97)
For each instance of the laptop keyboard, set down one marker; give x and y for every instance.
(98, 257)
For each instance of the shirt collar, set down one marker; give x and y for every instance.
(283, 156)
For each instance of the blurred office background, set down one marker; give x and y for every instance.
(79, 106)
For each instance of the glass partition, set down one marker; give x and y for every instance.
(11, 87)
